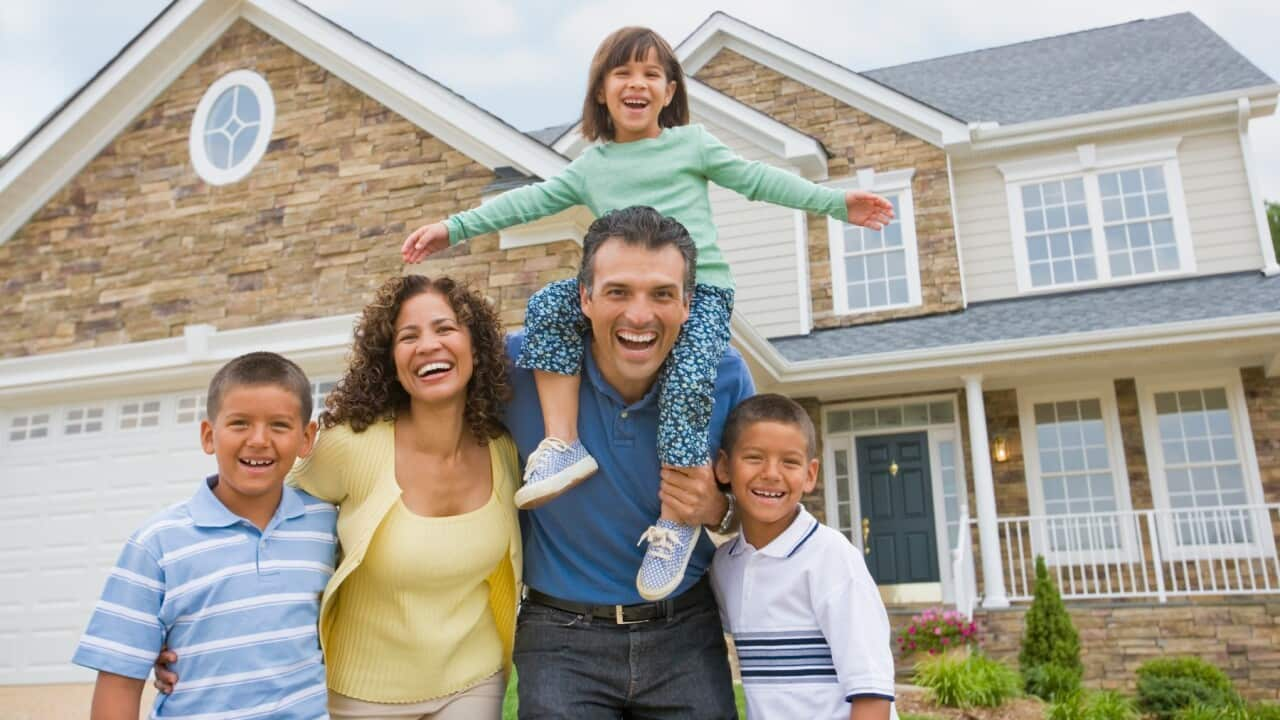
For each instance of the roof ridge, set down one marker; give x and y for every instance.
(1029, 41)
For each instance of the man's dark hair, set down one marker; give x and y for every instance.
(642, 226)
(259, 368)
(768, 408)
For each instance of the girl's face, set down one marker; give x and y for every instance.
(635, 94)
(432, 350)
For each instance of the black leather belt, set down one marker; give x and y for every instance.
(699, 594)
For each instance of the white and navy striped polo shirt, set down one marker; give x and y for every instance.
(808, 622)
(239, 606)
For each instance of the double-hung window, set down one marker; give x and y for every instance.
(876, 269)
(1204, 471)
(1102, 214)
(1077, 481)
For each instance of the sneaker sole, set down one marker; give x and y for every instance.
(529, 497)
(662, 592)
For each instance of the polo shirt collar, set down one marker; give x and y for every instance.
(786, 544)
(208, 511)
(602, 386)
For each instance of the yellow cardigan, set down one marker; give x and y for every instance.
(356, 472)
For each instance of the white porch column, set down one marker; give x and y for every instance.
(984, 490)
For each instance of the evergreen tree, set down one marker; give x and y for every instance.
(1049, 637)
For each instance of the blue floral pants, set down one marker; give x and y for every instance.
(555, 331)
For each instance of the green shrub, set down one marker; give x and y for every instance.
(1212, 712)
(1168, 685)
(1105, 705)
(1264, 711)
(1048, 637)
(973, 681)
(1049, 682)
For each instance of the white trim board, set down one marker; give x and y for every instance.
(722, 31)
(68, 141)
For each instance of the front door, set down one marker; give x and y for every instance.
(897, 508)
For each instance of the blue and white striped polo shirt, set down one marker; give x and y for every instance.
(810, 628)
(239, 606)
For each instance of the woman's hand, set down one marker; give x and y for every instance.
(424, 241)
(866, 209)
(166, 679)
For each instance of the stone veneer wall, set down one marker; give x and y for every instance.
(1241, 636)
(137, 246)
(855, 140)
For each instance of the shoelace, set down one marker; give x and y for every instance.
(662, 541)
(545, 447)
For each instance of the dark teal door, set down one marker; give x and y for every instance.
(897, 508)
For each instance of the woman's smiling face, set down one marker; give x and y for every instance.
(432, 349)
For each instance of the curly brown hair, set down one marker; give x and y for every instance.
(370, 391)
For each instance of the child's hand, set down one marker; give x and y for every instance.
(424, 241)
(868, 209)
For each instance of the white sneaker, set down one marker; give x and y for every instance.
(553, 468)
(665, 560)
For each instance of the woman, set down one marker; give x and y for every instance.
(418, 619)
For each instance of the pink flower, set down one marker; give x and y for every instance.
(937, 631)
(912, 645)
(946, 641)
(911, 630)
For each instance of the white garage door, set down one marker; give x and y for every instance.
(75, 482)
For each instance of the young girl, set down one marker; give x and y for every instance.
(648, 154)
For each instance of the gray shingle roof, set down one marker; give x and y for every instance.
(549, 135)
(1171, 301)
(1139, 62)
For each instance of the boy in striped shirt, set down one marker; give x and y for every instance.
(811, 631)
(230, 579)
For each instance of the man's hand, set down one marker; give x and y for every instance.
(866, 209)
(424, 241)
(166, 679)
(691, 495)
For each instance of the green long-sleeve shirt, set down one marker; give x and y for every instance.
(669, 173)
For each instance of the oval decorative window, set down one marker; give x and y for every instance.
(232, 126)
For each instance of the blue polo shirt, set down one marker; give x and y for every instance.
(582, 545)
(238, 605)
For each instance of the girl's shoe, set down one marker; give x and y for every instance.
(553, 468)
(670, 547)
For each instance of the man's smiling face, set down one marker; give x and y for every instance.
(636, 306)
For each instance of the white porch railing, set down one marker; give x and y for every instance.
(962, 572)
(1144, 553)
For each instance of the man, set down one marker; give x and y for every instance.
(586, 644)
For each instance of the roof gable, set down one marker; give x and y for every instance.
(86, 123)
(721, 31)
(1135, 63)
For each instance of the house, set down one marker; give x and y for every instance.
(1067, 344)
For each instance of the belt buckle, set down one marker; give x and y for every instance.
(617, 614)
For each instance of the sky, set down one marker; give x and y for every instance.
(526, 60)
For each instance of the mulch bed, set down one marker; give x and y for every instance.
(911, 699)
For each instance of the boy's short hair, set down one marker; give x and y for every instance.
(259, 368)
(768, 407)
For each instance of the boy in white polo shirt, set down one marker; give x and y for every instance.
(811, 631)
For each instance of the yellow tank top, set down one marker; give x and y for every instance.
(413, 621)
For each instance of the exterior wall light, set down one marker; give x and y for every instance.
(999, 449)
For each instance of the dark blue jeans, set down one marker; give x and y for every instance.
(580, 667)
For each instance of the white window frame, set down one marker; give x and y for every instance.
(1088, 162)
(895, 182)
(205, 168)
(937, 433)
(1237, 407)
(1105, 393)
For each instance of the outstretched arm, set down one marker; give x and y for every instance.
(514, 207)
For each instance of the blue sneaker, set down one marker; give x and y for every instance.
(670, 547)
(554, 467)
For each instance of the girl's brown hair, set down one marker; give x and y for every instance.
(620, 48)
(370, 390)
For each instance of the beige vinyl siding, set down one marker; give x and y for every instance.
(1216, 193)
(759, 240)
(1219, 208)
(982, 214)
